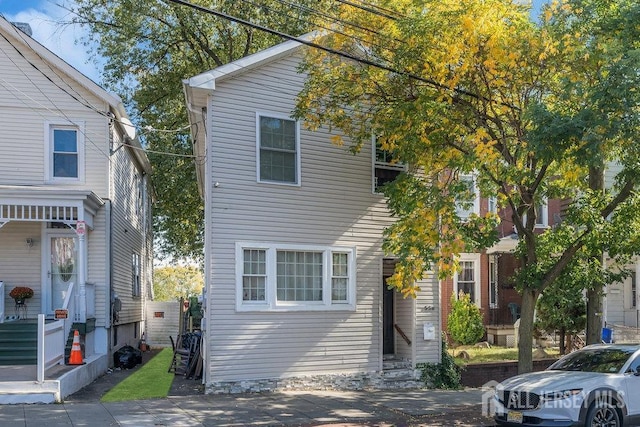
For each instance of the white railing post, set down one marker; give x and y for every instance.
(41, 348)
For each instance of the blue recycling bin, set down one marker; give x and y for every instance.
(607, 335)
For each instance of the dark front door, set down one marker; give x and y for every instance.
(388, 335)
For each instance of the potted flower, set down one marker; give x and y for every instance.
(21, 293)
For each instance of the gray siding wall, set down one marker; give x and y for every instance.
(98, 264)
(334, 205)
(128, 233)
(427, 311)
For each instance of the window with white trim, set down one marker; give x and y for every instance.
(294, 277)
(492, 204)
(493, 281)
(468, 201)
(542, 215)
(135, 274)
(386, 167)
(65, 152)
(467, 279)
(278, 149)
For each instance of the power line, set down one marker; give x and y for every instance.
(84, 102)
(312, 44)
(368, 7)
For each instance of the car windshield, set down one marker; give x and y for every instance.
(605, 360)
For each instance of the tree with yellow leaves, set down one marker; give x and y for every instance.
(476, 88)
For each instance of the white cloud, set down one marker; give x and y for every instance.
(59, 39)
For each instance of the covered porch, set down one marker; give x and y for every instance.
(43, 246)
(504, 301)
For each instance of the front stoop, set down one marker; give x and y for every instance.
(67, 382)
(21, 392)
(398, 374)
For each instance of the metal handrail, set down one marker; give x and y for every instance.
(402, 334)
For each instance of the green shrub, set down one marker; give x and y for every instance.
(443, 375)
(465, 320)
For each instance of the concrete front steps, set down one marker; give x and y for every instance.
(18, 384)
(398, 374)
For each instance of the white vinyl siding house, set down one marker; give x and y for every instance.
(68, 198)
(293, 272)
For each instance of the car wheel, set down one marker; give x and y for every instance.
(603, 414)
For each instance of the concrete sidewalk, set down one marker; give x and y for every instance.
(291, 408)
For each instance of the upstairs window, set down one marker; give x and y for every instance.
(468, 201)
(278, 150)
(492, 204)
(542, 215)
(64, 144)
(386, 167)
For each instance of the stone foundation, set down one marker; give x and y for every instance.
(352, 382)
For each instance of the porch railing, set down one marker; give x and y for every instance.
(51, 338)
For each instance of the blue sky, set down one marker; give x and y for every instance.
(42, 16)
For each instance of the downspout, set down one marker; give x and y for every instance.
(208, 199)
(109, 273)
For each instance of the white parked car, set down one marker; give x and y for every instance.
(598, 385)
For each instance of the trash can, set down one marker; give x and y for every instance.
(607, 335)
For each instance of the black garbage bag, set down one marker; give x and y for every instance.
(127, 357)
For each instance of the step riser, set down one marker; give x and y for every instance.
(18, 343)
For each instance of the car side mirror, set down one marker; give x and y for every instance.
(636, 373)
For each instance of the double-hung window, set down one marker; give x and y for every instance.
(542, 214)
(294, 277)
(65, 152)
(278, 149)
(467, 279)
(468, 201)
(386, 167)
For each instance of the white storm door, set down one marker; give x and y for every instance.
(62, 269)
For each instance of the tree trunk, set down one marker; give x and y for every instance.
(594, 294)
(525, 332)
(563, 344)
(594, 315)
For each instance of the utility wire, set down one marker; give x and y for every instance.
(367, 7)
(84, 102)
(309, 43)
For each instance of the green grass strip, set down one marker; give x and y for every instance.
(151, 381)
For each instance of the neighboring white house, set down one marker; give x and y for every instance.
(294, 266)
(622, 306)
(75, 220)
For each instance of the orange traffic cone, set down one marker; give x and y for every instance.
(75, 358)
